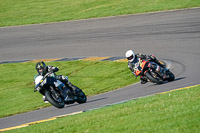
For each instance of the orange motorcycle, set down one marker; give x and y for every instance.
(154, 72)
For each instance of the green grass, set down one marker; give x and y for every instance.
(93, 77)
(173, 112)
(178, 112)
(22, 12)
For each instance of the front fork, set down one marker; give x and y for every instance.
(160, 70)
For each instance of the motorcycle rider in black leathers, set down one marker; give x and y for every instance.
(42, 69)
(134, 61)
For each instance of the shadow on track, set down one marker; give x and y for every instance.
(90, 101)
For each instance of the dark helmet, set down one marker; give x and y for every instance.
(40, 66)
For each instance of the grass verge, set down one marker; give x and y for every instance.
(22, 12)
(176, 112)
(93, 77)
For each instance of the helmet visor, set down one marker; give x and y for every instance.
(130, 58)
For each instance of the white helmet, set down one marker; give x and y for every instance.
(130, 55)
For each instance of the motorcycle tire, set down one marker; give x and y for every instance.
(152, 79)
(56, 104)
(171, 76)
(81, 97)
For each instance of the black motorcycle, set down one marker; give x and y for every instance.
(56, 92)
(152, 75)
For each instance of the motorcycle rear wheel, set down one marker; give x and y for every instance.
(81, 97)
(50, 98)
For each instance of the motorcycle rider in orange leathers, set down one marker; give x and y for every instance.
(134, 64)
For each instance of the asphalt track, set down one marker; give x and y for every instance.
(172, 36)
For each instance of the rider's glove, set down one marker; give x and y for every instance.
(151, 57)
(37, 88)
(55, 69)
(52, 69)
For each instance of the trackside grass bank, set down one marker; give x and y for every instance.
(22, 12)
(93, 77)
(176, 112)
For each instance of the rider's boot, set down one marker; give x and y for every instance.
(71, 86)
(67, 82)
(143, 80)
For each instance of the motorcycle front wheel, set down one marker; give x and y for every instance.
(171, 76)
(52, 97)
(152, 78)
